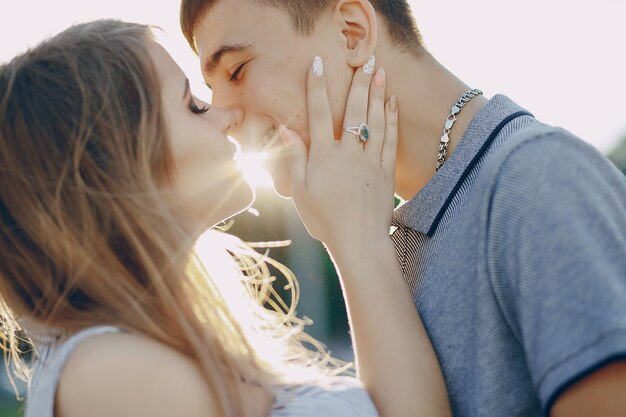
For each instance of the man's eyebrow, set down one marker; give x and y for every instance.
(214, 61)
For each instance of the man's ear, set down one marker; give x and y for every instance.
(360, 29)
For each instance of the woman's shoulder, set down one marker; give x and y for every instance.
(102, 372)
(125, 374)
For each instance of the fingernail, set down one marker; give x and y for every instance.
(318, 67)
(368, 68)
(285, 135)
(393, 104)
(380, 78)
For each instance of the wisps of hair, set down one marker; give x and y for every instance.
(91, 232)
(397, 14)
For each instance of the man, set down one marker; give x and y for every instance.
(513, 238)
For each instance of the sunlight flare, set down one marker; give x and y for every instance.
(253, 169)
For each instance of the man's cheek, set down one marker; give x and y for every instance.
(294, 110)
(277, 165)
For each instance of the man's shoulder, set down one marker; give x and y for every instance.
(540, 143)
(542, 175)
(544, 156)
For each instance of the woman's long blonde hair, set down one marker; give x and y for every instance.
(89, 234)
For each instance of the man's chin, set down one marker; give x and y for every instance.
(281, 176)
(283, 188)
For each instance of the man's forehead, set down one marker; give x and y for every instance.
(233, 22)
(211, 30)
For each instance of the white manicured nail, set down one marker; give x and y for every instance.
(368, 68)
(318, 67)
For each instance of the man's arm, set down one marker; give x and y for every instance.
(602, 393)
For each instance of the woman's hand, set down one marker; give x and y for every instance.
(344, 193)
(343, 190)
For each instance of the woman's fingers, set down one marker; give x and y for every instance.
(320, 117)
(357, 105)
(376, 115)
(343, 186)
(365, 105)
(390, 145)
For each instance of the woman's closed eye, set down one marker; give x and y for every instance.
(198, 110)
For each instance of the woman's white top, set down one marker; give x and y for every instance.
(341, 397)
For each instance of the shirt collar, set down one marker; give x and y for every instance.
(424, 211)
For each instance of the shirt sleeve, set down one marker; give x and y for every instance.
(557, 251)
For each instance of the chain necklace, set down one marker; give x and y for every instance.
(456, 109)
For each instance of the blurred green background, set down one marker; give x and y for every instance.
(618, 156)
(9, 406)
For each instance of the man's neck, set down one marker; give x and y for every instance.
(426, 91)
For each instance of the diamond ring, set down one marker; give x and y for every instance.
(361, 131)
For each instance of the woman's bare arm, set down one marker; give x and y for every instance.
(344, 194)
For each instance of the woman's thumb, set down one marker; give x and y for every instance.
(297, 155)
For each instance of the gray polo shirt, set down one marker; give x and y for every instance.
(516, 256)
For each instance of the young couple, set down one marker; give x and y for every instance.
(512, 242)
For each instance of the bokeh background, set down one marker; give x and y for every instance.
(562, 60)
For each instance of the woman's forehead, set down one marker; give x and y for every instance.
(166, 68)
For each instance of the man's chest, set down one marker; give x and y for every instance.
(482, 360)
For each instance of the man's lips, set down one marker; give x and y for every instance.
(267, 143)
(270, 139)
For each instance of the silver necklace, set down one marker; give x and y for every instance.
(456, 109)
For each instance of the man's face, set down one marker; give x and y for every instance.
(263, 70)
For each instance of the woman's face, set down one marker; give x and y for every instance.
(207, 178)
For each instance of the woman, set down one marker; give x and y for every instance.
(110, 170)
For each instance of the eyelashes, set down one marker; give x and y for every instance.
(199, 110)
(235, 76)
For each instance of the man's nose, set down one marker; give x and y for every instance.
(226, 119)
(246, 127)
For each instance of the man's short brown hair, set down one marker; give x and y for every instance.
(304, 13)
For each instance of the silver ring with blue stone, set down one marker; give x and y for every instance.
(361, 131)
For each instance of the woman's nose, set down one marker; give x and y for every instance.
(226, 119)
